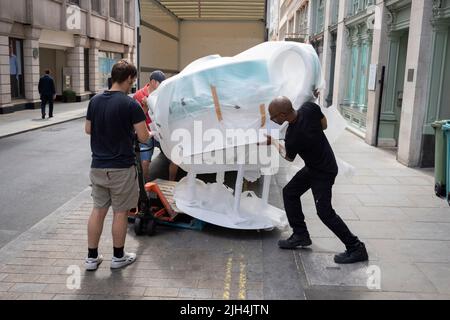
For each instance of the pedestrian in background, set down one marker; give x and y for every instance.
(47, 92)
(113, 119)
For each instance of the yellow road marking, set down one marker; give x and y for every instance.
(227, 284)
(242, 281)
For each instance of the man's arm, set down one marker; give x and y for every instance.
(142, 132)
(281, 149)
(53, 89)
(324, 123)
(87, 127)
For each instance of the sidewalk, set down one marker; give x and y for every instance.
(27, 120)
(392, 208)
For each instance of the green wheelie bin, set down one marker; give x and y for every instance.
(446, 129)
(440, 158)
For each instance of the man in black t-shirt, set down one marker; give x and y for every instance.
(305, 137)
(112, 120)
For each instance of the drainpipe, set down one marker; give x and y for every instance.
(380, 104)
(266, 29)
(138, 45)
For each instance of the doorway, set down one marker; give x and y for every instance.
(393, 100)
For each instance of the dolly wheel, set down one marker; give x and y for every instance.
(138, 227)
(151, 227)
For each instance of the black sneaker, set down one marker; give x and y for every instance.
(295, 241)
(352, 255)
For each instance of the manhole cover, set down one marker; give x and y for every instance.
(321, 270)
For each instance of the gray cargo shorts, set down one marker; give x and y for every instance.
(115, 187)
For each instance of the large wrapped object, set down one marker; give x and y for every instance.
(226, 94)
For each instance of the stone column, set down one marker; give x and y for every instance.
(326, 54)
(31, 63)
(310, 20)
(94, 81)
(416, 86)
(5, 80)
(75, 61)
(379, 57)
(342, 56)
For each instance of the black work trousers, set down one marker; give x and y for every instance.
(321, 188)
(44, 101)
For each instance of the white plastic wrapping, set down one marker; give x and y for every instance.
(244, 84)
(194, 111)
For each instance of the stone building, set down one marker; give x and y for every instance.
(78, 40)
(386, 64)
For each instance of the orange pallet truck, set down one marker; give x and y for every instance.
(156, 205)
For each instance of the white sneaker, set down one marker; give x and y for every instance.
(92, 264)
(128, 258)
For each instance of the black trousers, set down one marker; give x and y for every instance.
(44, 101)
(322, 192)
(14, 86)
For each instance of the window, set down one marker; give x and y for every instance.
(96, 6)
(320, 16)
(291, 26)
(106, 62)
(302, 22)
(360, 5)
(335, 12)
(113, 12)
(127, 12)
(75, 2)
(16, 68)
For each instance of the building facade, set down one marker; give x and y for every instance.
(77, 40)
(386, 64)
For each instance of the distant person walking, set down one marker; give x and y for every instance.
(48, 93)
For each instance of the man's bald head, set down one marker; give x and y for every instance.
(281, 110)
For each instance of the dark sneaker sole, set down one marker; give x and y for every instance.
(305, 245)
(351, 261)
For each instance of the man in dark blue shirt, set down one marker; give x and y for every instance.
(112, 120)
(47, 91)
(305, 137)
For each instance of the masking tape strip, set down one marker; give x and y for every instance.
(262, 111)
(216, 104)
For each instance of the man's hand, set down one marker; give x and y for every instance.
(281, 149)
(268, 141)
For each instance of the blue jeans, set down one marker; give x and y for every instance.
(147, 149)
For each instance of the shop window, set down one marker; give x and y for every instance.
(106, 62)
(16, 68)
